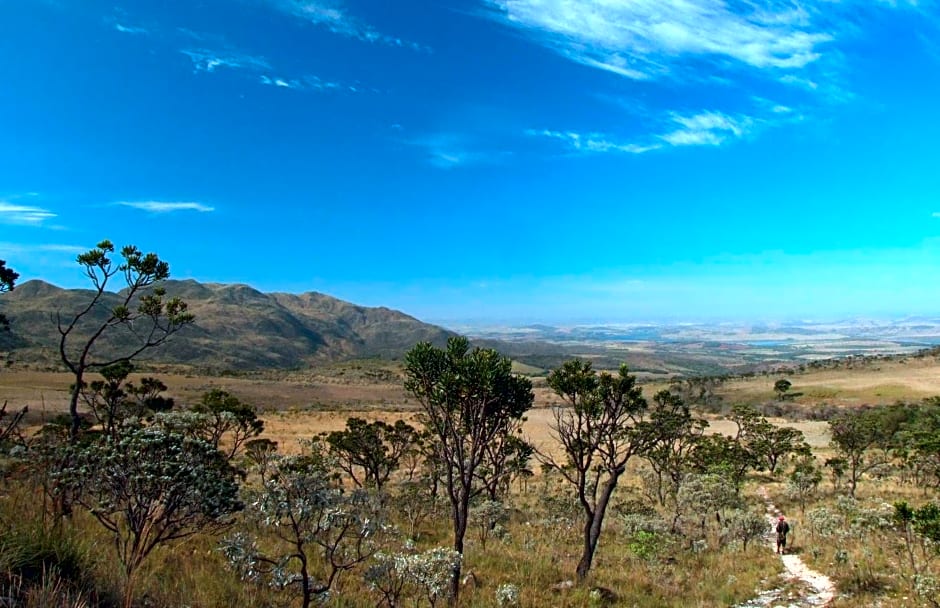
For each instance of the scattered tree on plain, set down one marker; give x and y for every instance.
(674, 433)
(369, 452)
(598, 433)
(469, 400)
(781, 387)
(854, 435)
(144, 318)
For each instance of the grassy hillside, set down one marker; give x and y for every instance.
(237, 327)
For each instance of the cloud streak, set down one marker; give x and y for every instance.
(29, 215)
(25, 249)
(332, 15)
(453, 150)
(706, 128)
(130, 29)
(592, 142)
(166, 207)
(207, 60)
(646, 39)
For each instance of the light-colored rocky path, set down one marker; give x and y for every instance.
(823, 589)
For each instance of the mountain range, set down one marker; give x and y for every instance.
(236, 328)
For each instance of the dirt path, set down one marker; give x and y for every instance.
(823, 589)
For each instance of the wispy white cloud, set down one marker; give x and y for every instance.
(166, 207)
(333, 15)
(130, 29)
(647, 38)
(207, 60)
(704, 128)
(792, 41)
(16, 213)
(307, 83)
(28, 248)
(592, 142)
(707, 128)
(452, 150)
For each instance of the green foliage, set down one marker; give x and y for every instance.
(725, 456)
(644, 545)
(369, 452)
(767, 443)
(149, 487)
(8, 279)
(924, 520)
(115, 402)
(228, 421)
(804, 480)
(469, 400)
(781, 387)
(315, 530)
(144, 316)
(599, 431)
(854, 435)
(672, 434)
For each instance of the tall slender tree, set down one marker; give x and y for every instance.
(599, 434)
(470, 400)
(142, 319)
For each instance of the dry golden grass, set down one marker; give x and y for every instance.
(300, 405)
(879, 382)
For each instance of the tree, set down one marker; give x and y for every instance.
(369, 452)
(228, 420)
(149, 487)
(469, 400)
(10, 428)
(804, 479)
(143, 318)
(724, 455)
(318, 530)
(854, 434)
(506, 459)
(114, 401)
(8, 279)
(598, 433)
(781, 387)
(920, 527)
(744, 525)
(673, 434)
(767, 442)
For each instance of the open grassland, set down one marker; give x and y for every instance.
(538, 544)
(879, 381)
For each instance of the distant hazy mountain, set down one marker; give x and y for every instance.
(236, 327)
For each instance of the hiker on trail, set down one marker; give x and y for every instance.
(783, 528)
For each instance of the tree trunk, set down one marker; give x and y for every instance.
(305, 581)
(461, 513)
(592, 527)
(73, 407)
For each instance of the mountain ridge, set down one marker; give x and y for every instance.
(237, 327)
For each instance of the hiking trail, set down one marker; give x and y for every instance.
(823, 589)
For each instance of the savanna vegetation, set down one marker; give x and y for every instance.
(637, 495)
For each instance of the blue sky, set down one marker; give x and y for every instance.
(487, 160)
